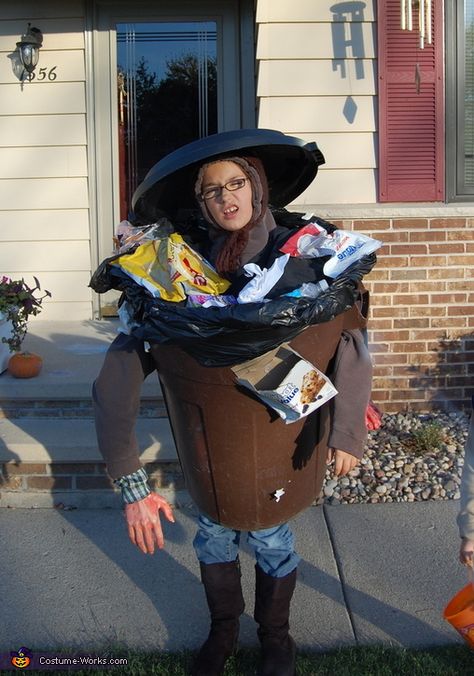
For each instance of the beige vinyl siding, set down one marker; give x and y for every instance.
(317, 80)
(73, 257)
(360, 152)
(43, 98)
(60, 224)
(346, 184)
(43, 193)
(42, 130)
(43, 162)
(301, 114)
(298, 77)
(305, 41)
(307, 10)
(44, 215)
(69, 287)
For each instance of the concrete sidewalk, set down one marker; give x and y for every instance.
(369, 574)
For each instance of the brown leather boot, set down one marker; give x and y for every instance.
(226, 604)
(272, 611)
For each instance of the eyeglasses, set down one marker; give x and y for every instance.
(216, 190)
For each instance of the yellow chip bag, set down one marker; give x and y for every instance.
(169, 268)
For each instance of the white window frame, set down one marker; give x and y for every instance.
(456, 188)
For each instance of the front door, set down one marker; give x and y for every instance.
(164, 74)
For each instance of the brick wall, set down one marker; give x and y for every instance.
(59, 477)
(422, 311)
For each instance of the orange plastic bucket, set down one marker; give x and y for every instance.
(460, 613)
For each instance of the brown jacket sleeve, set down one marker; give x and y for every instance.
(351, 374)
(116, 401)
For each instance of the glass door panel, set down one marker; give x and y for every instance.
(167, 93)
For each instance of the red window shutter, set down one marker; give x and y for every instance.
(411, 122)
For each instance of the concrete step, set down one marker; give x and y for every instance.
(73, 353)
(50, 440)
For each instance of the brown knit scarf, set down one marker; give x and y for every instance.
(229, 255)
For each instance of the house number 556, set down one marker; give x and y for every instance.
(44, 74)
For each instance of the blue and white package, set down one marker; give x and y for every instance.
(347, 247)
(344, 247)
(297, 394)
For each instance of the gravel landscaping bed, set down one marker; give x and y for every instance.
(411, 457)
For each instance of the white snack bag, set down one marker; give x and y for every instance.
(264, 280)
(290, 385)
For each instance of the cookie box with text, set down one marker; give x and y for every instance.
(290, 385)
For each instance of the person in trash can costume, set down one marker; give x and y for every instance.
(465, 518)
(232, 193)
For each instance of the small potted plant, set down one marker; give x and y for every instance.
(18, 302)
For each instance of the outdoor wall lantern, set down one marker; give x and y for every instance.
(29, 46)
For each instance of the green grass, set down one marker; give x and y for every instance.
(455, 660)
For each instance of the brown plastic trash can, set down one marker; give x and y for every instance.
(234, 451)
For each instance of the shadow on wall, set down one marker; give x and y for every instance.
(448, 380)
(348, 43)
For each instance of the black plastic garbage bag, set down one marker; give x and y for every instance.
(223, 336)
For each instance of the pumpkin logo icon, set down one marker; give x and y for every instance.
(21, 659)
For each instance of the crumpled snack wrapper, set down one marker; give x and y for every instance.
(170, 269)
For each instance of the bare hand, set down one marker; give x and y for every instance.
(143, 521)
(466, 552)
(343, 462)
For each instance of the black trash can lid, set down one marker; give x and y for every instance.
(290, 165)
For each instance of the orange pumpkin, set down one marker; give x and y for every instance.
(25, 365)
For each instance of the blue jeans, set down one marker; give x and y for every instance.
(273, 547)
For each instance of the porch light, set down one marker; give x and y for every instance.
(29, 46)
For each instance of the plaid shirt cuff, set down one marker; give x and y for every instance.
(134, 486)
